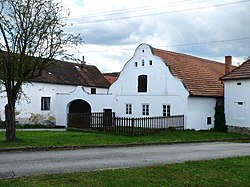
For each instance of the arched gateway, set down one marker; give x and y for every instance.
(79, 114)
(79, 106)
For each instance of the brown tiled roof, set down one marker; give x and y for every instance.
(73, 74)
(241, 72)
(111, 77)
(201, 77)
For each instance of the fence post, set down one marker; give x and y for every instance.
(133, 124)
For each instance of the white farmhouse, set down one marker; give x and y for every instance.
(153, 82)
(65, 88)
(237, 98)
(156, 82)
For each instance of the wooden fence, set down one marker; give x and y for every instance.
(107, 122)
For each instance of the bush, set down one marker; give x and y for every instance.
(2, 125)
(219, 116)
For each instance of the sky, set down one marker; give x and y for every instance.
(112, 29)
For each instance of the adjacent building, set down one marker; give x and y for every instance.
(65, 88)
(237, 98)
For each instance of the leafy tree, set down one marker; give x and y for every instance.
(31, 35)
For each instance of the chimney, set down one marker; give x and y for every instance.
(228, 64)
(83, 61)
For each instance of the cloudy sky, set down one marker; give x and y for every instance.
(113, 29)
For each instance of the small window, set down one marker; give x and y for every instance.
(142, 83)
(143, 62)
(128, 108)
(45, 103)
(238, 83)
(166, 110)
(240, 103)
(209, 120)
(145, 109)
(136, 64)
(143, 50)
(93, 91)
(150, 62)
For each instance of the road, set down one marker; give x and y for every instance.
(15, 164)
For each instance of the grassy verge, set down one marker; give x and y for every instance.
(222, 172)
(45, 138)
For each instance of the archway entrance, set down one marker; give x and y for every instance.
(79, 106)
(79, 114)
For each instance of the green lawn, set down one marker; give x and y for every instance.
(230, 172)
(67, 138)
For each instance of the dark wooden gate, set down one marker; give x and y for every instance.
(79, 120)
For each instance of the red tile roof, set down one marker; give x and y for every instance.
(241, 72)
(73, 74)
(111, 79)
(201, 77)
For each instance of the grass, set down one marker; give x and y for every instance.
(215, 173)
(67, 138)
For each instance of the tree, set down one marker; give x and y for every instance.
(31, 35)
(220, 119)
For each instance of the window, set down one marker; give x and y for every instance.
(209, 120)
(145, 109)
(238, 83)
(93, 91)
(150, 62)
(45, 103)
(142, 62)
(136, 64)
(128, 108)
(166, 110)
(142, 83)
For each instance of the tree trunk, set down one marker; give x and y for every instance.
(10, 121)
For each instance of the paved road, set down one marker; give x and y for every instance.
(29, 163)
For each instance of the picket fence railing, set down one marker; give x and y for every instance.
(107, 122)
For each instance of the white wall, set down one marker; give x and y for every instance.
(163, 87)
(237, 103)
(98, 103)
(28, 108)
(199, 108)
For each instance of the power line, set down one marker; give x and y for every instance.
(160, 13)
(144, 8)
(180, 45)
(207, 42)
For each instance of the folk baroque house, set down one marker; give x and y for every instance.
(153, 82)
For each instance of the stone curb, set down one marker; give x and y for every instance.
(75, 147)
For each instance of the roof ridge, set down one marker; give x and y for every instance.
(187, 55)
(199, 79)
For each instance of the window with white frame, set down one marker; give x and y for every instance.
(93, 90)
(145, 109)
(166, 110)
(142, 62)
(128, 108)
(45, 103)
